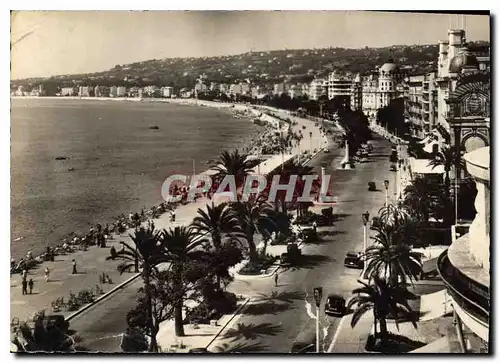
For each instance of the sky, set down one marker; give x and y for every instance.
(71, 42)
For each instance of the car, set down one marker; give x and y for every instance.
(285, 260)
(353, 259)
(198, 350)
(335, 305)
(326, 151)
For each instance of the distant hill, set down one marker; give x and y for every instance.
(265, 68)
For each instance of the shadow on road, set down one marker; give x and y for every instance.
(267, 307)
(252, 331)
(310, 261)
(282, 296)
(340, 216)
(240, 348)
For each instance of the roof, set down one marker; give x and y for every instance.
(421, 166)
(463, 59)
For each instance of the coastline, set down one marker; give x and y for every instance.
(245, 145)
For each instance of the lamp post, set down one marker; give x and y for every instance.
(318, 294)
(365, 217)
(311, 141)
(386, 185)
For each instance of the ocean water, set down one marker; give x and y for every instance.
(117, 163)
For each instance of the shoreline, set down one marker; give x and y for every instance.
(245, 145)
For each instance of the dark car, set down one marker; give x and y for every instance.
(198, 350)
(335, 305)
(353, 259)
(285, 260)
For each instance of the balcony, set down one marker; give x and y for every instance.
(471, 299)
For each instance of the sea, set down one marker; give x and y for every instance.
(114, 162)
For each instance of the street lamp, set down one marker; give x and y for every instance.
(386, 185)
(311, 140)
(365, 217)
(318, 294)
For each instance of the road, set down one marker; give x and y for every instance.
(271, 323)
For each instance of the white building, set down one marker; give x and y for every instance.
(280, 88)
(338, 85)
(168, 91)
(235, 89)
(121, 91)
(113, 91)
(97, 91)
(318, 88)
(68, 91)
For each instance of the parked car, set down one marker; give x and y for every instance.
(198, 350)
(353, 259)
(335, 305)
(308, 234)
(393, 167)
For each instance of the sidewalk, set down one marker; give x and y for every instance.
(352, 340)
(90, 264)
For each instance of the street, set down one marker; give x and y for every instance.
(279, 320)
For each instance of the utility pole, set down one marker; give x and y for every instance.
(318, 294)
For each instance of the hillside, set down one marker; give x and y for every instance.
(299, 65)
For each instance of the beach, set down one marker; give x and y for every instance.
(118, 163)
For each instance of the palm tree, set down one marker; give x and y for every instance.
(384, 300)
(234, 164)
(251, 215)
(180, 244)
(148, 252)
(390, 257)
(420, 198)
(447, 157)
(216, 221)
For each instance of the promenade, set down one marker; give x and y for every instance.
(92, 263)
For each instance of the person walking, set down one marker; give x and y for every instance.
(276, 277)
(74, 267)
(24, 286)
(46, 274)
(24, 274)
(30, 285)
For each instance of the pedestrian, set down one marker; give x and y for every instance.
(314, 226)
(30, 284)
(46, 274)
(24, 275)
(25, 285)
(276, 279)
(74, 267)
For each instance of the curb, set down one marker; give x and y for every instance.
(336, 336)
(229, 321)
(102, 297)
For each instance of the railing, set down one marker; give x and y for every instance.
(469, 294)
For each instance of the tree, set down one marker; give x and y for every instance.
(447, 157)
(384, 300)
(181, 246)
(148, 252)
(390, 257)
(421, 198)
(251, 215)
(234, 164)
(216, 221)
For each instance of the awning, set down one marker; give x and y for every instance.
(421, 166)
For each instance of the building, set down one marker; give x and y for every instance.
(168, 92)
(280, 88)
(465, 266)
(69, 91)
(357, 94)
(235, 89)
(295, 91)
(339, 86)
(245, 88)
(97, 91)
(420, 95)
(113, 92)
(84, 91)
(224, 88)
(380, 88)
(121, 91)
(318, 88)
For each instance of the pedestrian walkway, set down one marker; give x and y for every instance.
(352, 340)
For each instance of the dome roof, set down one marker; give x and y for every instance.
(389, 67)
(463, 59)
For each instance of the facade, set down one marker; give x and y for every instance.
(113, 91)
(338, 85)
(168, 92)
(420, 96)
(121, 91)
(280, 88)
(68, 91)
(380, 88)
(97, 91)
(295, 91)
(245, 88)
(235, 89)
(83, 91)
(317, 88)
(357, 94)
(465, 265)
